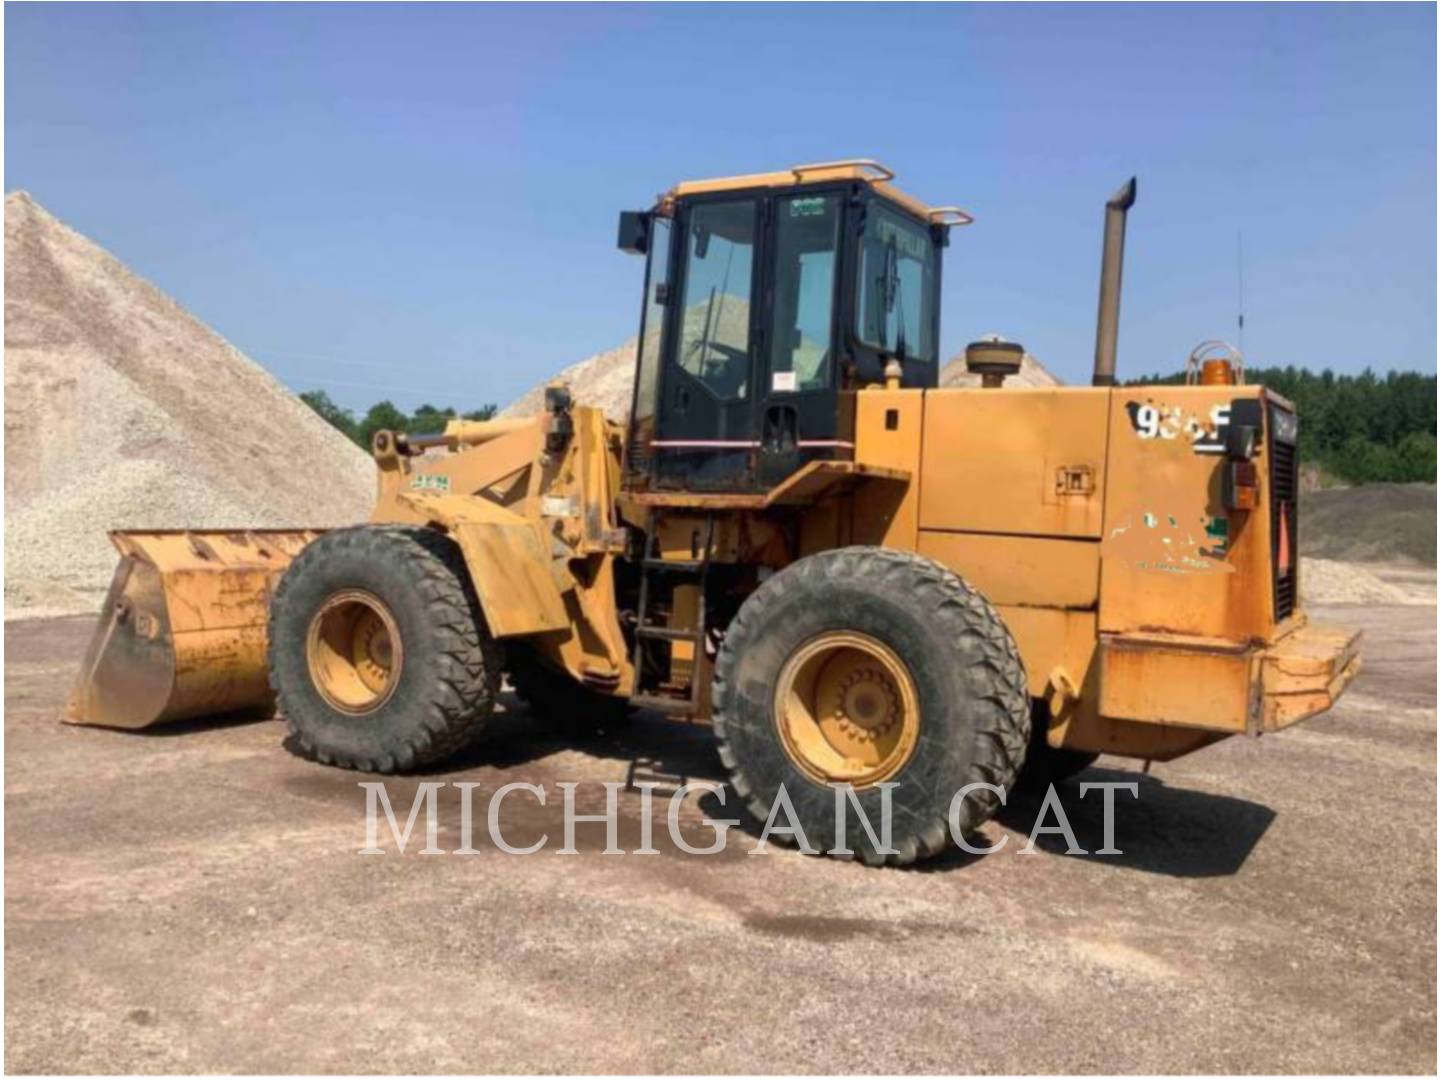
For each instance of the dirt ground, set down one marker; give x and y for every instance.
(192, 901)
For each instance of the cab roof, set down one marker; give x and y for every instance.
(863, 170)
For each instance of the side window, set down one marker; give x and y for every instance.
(715, 311)
(897, 283)
(807, 234)
(657, 279)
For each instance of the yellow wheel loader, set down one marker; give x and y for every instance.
(856, 577)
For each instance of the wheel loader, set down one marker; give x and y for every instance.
(854, 576)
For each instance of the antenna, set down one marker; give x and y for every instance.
(1240, 281)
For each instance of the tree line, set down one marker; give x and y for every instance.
(1357, 428)
(384, 415)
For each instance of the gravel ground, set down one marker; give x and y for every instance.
(1324, 581)
(192, 901)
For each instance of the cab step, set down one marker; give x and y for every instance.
(674, 706)
(675, 566)
(669, 633)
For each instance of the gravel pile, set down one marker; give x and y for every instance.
(1324, 581)
(124, 411)
(605, 381)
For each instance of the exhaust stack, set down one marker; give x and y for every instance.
(1107, 324)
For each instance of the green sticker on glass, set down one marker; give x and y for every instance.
(807, 207)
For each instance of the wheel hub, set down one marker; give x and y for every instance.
(847, 710)
(868, 708)
(353, 651)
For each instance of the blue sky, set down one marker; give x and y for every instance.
(419, 202)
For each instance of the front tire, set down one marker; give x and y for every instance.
(380, 658)
(868, 665)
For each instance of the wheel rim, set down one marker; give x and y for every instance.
(847, 710)
(353, 651)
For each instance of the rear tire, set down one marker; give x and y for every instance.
(429, 686)
(961, 671)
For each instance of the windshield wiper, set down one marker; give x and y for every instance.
(900, 329)
(899, 303)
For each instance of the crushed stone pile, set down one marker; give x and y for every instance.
(604, 381)
(122, 410)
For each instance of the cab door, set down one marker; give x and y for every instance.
(706, 436)
(798, 401)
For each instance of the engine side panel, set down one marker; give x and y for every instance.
(1023, 462)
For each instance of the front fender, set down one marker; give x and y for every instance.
(519, 582)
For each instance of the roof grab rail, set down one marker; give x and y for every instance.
(877, 171)
(950, 216)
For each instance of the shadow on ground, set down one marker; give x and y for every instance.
(1163, 830)
(1160, 830)
(655, 750)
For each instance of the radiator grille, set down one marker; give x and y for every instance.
(1284, 519)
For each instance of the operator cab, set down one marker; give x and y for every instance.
(769, 300)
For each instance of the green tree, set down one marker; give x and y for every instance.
(382, 416)
(427, 419)
(1415, 459)
(1361, 461)
(342, 420)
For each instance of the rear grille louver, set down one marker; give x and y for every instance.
(1284, 519)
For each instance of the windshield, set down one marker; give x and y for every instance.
(896, 312)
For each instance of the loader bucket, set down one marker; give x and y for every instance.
(183, 630)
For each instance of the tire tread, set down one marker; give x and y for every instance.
(957, 607)
(461, 699)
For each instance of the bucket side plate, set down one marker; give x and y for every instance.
(183, 630)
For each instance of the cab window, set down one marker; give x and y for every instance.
(895, 313)
(807, 235)
(714, 343)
